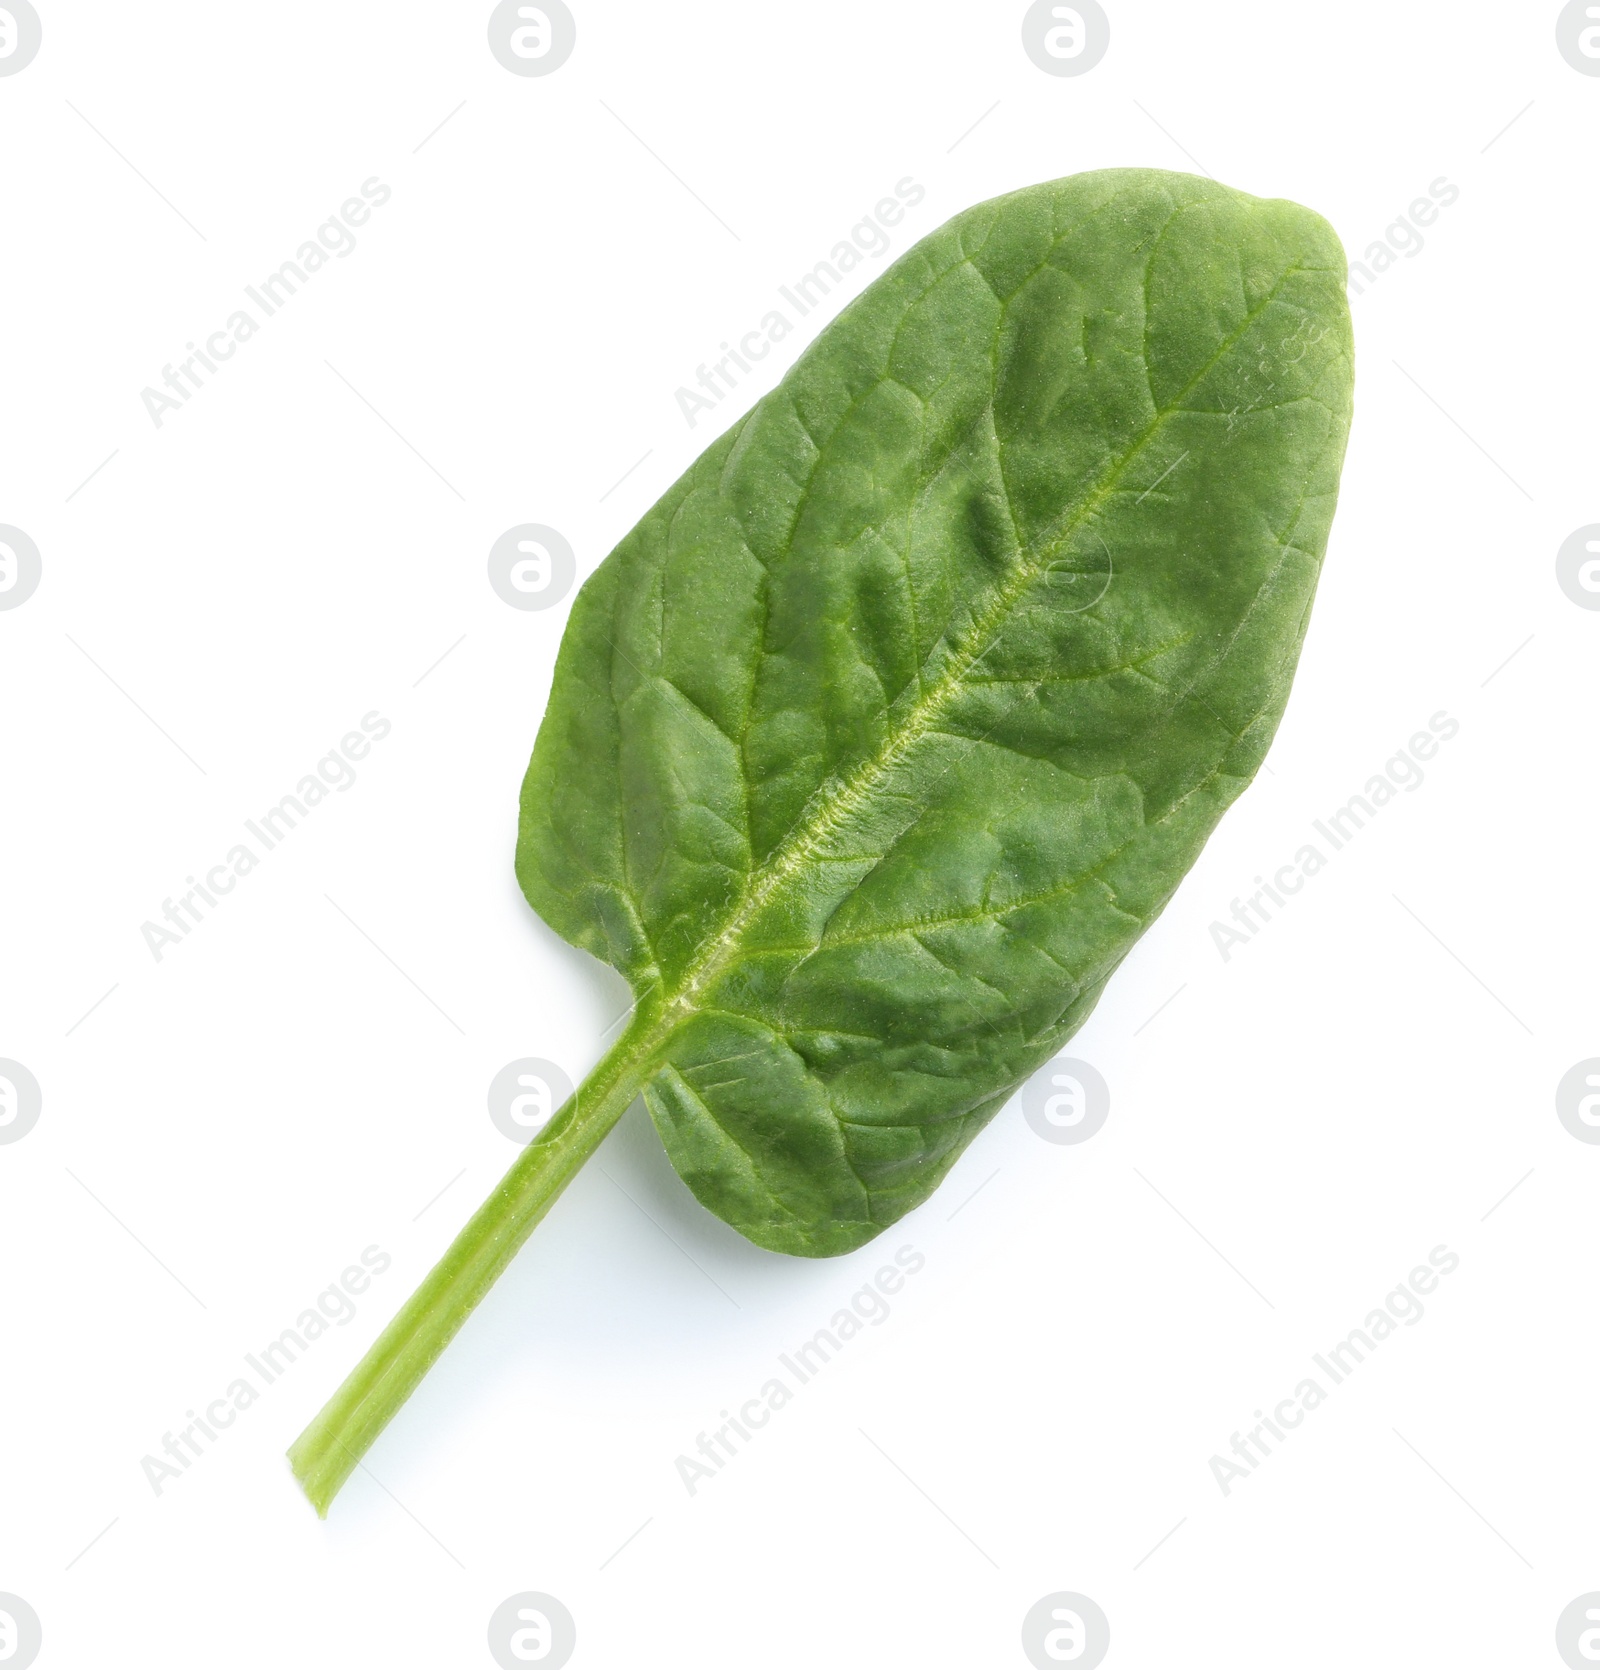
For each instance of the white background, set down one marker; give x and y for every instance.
(1289, 1136)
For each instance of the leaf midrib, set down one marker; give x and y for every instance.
(799, 846)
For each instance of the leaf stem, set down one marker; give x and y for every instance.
(331, 1447)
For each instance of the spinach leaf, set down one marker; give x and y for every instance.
(876, 745)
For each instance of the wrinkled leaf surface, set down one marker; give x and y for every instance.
(884, 735)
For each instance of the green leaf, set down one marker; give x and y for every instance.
(886, 733)
(879, 741)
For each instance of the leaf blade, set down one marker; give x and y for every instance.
(903, 713)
